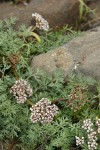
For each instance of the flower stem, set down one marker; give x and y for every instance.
(12, 144)
(33, 28)
(58, 100)
(30, 33)
(29, 102)
(15, 73)
(36, 36)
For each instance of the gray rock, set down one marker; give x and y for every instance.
(86, 52)
(57, 59)
(83, 50)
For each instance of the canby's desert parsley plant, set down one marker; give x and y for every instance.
(21, 90)
(92, 140)
(79, 141)
(91, 137)
(41, 23)
(43, 111)
(91, 134)
(77, 98)
(87, 125)
(48, 117)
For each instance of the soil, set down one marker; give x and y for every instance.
(55, 12)
(23, 12)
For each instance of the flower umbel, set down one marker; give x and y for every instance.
(79, 141)
(87, 125)
(98, 124)
(92, 138)
(43, 111)
(41, 23)
(91, 134)
(21, 90)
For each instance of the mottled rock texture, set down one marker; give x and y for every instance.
(83, 50)
(86, 52)
(57, 59)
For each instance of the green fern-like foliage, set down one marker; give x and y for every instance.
(16, 128)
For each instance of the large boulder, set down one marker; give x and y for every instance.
(81, 53)
(57, 59)
(86, 52)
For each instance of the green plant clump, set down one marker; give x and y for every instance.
(42, 112)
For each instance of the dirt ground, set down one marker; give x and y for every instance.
(57, 13)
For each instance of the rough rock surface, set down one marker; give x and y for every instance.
(56, 12)
(86, 52)
(83, 50)
(57, 59)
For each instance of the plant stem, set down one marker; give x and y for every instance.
(33, 28)
(29, 102)
(36, 36)
(11, 144)
(1, 146)
(15, 73)
(58, 100)
(31, 33)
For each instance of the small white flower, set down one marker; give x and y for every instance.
(99, 130)
(79, 141)
(41, 23)
(87, 125)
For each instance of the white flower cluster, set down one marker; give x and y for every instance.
(98, 124)
(21, 90)
(43, 111)
(87, 125)
(79, 141)
(41, 23)
(92, 137)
